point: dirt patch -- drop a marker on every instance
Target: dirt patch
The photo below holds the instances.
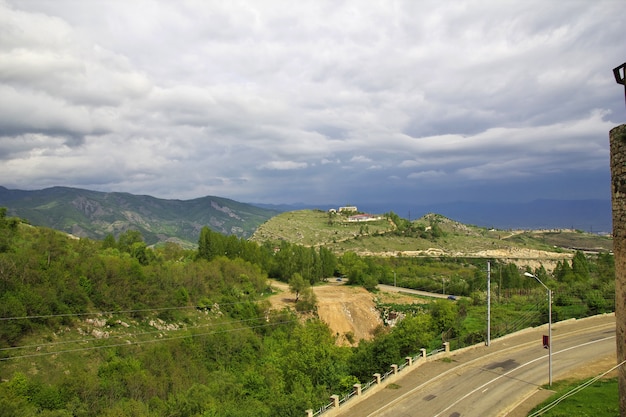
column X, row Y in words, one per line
column 520, row 256
column 350, row 312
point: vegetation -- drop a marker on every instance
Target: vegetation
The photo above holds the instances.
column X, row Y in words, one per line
column 316, row 227
column 393, row 234
column 93, row 214
column 116, row 327
column 599, row 398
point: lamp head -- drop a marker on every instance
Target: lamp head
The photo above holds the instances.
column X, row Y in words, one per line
column 620, row 76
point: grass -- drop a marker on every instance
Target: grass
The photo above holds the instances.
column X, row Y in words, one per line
column 565, row 239
column 317, row 228
column 598, row 399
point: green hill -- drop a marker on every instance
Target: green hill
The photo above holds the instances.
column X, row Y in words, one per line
column 390, row 234
column 94, row 214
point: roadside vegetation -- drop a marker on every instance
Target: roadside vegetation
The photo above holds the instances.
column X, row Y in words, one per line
column 115, row 327
column 580, row 399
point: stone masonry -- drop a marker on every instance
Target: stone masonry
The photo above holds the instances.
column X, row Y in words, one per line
column 618, row 199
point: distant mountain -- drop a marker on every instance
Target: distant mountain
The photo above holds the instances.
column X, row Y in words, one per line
column 592, row 216
column 94, row 214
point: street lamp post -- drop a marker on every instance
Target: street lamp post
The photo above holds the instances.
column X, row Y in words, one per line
column 528, row 274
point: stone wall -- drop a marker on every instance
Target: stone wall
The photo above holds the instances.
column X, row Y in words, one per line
column 618, row 199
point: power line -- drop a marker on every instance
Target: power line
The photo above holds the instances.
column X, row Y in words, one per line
column 128, row 343
column 575, row 390
column 120, row 336
column 102, row 313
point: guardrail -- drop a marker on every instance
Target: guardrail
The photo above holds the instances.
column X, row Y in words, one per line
column 360, row 389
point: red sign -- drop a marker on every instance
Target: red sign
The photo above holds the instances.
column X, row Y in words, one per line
column 546, row 341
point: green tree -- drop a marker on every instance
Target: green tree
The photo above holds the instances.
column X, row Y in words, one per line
column 210, row 244
column 510, row 276
column 580, row 266
column 444, row 314
column 127, row 239
column 8, row 229
column 297, row 285
column 563, row 272
column 328, row 262
column 109, row 242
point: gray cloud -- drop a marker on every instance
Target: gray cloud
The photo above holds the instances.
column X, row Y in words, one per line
column 315, row 102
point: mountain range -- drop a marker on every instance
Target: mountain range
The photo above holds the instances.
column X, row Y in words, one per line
column 95, row 214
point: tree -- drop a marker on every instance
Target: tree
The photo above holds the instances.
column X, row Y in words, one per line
column 109, row 242
column 328, row 262
column 297, row 284
column 127, row 239
column 580, row 266
column 210, row 244
column 8, row 228
column 444, row 314
column 307, row 300
column 563, row 272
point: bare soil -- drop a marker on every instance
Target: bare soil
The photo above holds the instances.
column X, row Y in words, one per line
column 350, row 312
column 520, row 256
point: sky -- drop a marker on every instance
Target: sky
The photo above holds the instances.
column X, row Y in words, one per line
column 316, row 102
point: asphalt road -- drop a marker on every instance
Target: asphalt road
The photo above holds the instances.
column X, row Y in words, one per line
column 491, row 380
column 391, row 288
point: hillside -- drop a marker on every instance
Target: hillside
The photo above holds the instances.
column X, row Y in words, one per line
column 593, row 216
column 381, row 238
column 316, row 228
column 94, row 214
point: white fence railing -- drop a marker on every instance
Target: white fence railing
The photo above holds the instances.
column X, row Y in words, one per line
column 378, row 379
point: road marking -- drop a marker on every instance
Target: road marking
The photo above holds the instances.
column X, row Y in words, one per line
column 455, row 369
column 515, row 369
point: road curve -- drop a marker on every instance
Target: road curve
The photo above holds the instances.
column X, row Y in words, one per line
column 490, row 380
column 391, row 288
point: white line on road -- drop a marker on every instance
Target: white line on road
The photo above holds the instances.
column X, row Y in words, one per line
column 410, row 392
column 518, row 368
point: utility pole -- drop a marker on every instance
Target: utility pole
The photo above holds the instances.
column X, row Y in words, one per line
column 488, row 303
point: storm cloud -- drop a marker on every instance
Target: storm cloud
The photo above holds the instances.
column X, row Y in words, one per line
column 348, row 102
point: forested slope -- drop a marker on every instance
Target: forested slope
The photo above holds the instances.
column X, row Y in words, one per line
column 107, row 328
column 94, row 214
